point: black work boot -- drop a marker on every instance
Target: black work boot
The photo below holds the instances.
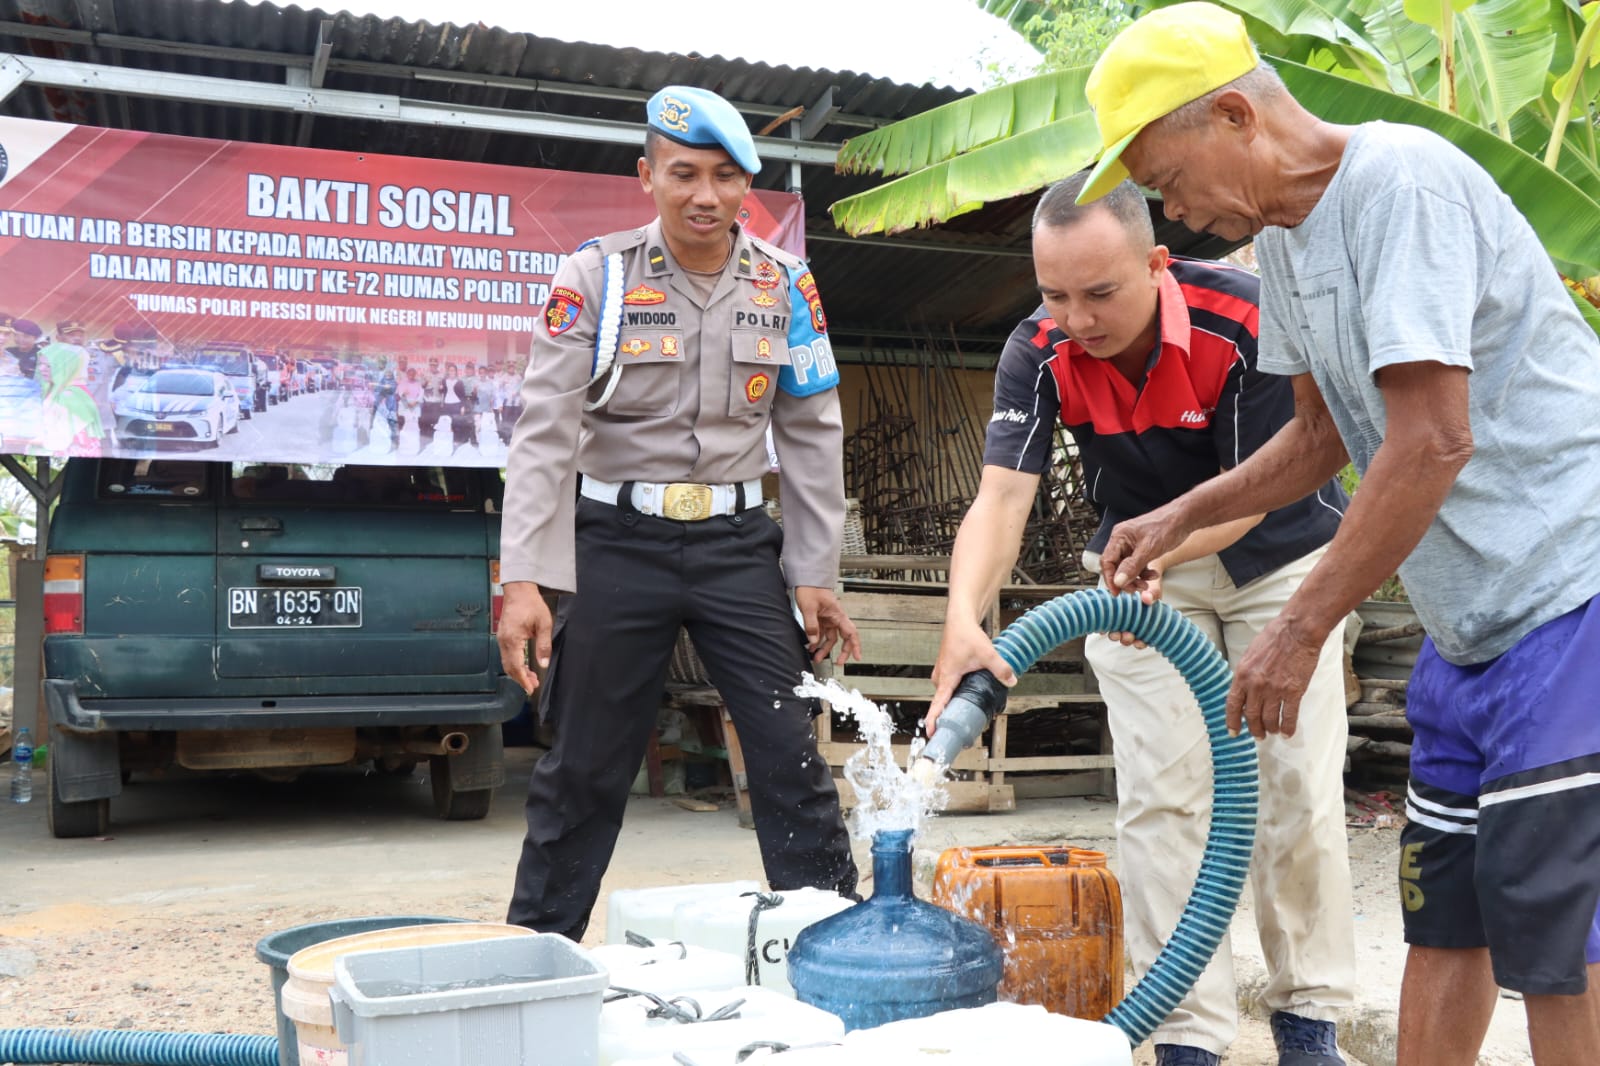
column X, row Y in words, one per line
column 1305, row 1042
column 1179, row 1055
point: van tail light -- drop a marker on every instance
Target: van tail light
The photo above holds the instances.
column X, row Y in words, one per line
column 497, row 595
column 63, row 594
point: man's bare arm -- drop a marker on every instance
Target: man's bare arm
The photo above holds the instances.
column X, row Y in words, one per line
column 1298, row 459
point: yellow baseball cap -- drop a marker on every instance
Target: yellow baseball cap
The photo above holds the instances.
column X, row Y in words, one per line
column 1164, row 60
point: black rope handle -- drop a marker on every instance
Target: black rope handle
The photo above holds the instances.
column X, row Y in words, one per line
column 765, row 901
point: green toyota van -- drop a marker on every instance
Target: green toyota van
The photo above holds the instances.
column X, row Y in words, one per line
column 272, row 617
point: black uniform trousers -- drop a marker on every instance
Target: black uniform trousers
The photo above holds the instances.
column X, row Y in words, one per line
column 640, row 579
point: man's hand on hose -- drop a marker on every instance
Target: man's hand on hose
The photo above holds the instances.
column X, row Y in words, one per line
column 964, row 648
column 827, row 624
column 1134, row 545
column 1149, row 587
column 524, row 617
column 1272, row 676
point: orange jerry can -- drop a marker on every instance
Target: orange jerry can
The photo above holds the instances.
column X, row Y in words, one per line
column 1056, row 914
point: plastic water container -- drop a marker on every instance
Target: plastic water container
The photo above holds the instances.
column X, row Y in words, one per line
column 894, row 956
column 512, row 1001
column 725, row 925
column 275, row 949
column 628, row 1033
column 999, row 1032
column 648, row 912
column 1056, row 914
column 981, row 1036
column 669, row 970
column 311, row 976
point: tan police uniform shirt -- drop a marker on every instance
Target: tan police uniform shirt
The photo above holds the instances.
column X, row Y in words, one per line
column 698, row 388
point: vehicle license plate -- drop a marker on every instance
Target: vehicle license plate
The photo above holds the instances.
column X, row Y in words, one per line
column 161, row 427
column 288, row 608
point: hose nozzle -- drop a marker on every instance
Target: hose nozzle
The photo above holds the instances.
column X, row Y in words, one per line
column 977, row 699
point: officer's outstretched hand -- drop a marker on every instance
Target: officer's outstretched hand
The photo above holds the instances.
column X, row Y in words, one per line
column 524, row 616
column 826, row 625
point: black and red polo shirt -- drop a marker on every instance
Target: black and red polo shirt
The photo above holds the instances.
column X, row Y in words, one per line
column 1203, row 408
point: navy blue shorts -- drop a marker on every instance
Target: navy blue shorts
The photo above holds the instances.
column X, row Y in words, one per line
column 1502, row 845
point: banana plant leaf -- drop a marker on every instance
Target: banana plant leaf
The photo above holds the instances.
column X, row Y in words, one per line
column 1530, row 130
column 1015, row 12
column 1565, row 218
column 1014, row 166
column 1590, row 313
column 966, row 124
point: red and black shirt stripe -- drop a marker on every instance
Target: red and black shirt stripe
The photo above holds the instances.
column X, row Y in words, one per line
column 1202, row 408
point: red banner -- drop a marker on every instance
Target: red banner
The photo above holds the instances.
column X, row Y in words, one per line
column 244, row 301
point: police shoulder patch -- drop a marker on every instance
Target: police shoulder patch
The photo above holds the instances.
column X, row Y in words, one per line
column 562, row 310
column 811, row 368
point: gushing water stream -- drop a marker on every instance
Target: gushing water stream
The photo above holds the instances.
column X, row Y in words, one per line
column 887, row 796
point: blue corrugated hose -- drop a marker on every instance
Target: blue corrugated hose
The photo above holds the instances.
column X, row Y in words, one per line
column 1234, row 780
column 133, row 1047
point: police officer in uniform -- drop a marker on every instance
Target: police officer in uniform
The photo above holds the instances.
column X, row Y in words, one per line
column 634, row 487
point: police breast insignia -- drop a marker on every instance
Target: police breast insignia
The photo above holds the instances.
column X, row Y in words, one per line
column 766, row 276
column 674, row 114
column 634, row 346
column 763, row 349
column 808, row 288
column 669, row 347
column 644, row 294
column 561, row 313
column 764, row 299
column 756, row 387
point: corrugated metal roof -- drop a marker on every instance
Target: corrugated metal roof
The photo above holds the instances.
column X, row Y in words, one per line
column 867, row 286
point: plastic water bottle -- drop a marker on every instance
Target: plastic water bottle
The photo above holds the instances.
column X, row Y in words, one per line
column 22, row 767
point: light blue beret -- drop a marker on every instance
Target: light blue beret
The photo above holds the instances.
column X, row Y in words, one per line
column 699, row 118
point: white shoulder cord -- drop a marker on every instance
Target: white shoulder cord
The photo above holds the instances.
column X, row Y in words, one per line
column 609, row 333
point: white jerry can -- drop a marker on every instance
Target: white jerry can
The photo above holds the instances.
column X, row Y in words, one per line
column 647, row 912
column 725, row 925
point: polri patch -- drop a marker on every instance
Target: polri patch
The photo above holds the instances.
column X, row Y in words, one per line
column 669, row 347
column 634, row 346
column 644, row 294
column 808, row 288
column 756, row 387
column 562, row 312
column 763, row 348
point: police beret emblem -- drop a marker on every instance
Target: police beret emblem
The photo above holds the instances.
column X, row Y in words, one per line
column 674, row 114
column 756, row 387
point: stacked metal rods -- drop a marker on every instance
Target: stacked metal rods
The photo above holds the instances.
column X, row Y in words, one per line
column 915, row 458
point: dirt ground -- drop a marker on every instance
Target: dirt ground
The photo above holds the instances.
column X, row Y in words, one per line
column 155, row 926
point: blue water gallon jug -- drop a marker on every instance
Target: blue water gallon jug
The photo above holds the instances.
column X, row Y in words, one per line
column 893, row 956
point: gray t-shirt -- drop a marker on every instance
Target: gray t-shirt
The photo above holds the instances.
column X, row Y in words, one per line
column 1413, row 254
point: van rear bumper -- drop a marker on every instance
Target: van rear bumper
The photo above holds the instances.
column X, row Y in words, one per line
column 280, row 712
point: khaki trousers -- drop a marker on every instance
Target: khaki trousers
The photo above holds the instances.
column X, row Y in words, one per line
column 1300, row 870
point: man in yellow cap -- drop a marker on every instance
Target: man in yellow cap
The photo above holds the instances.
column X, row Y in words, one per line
column 633, row 487
column 1432, row 342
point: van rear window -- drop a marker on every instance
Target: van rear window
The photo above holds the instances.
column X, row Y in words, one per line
column 121, row 478
column 447, row 488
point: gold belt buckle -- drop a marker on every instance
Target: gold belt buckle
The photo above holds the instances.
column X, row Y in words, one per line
column 686, row 503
